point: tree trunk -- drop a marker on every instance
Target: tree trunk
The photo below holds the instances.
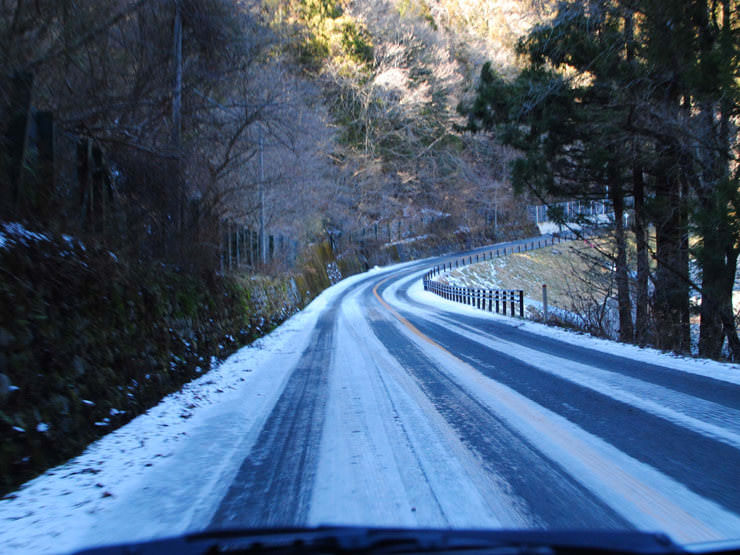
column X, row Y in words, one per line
column 177, row 85
column 727, row 41
column 626, row 329
column 716, row 297
column 642, row 322
column 671, row 291
column 640, row 227
column 711, row 259
column 728, row 322
column 178, row 206
column 685, row 288
column 717, row 255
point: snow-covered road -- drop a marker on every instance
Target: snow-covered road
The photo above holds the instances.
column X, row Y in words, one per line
column 381, row 404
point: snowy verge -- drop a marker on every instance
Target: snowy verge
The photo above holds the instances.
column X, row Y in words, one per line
column 708, row 368
column 165, row 471
column 648, row 498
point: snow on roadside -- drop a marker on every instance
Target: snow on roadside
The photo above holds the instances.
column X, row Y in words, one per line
column 407, row 240
column 648, row 498
column 164, row 472
column 702, row 367
column 14, row 232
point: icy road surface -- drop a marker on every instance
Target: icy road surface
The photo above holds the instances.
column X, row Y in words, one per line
column 381, row 404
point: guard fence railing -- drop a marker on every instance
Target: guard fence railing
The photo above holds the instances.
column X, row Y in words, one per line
column 502, row 301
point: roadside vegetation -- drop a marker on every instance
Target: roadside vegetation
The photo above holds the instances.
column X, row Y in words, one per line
column 636, row 104
column 89, row 341
column 553, row 266
column 580, row 283
column 136, row 136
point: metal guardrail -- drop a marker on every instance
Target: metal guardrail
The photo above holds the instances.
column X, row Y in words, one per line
column 486, row 299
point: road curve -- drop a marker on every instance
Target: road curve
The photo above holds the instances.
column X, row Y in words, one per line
column 403, row 410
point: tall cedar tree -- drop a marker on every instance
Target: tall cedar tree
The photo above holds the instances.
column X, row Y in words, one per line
column 647, row 110
column 571, row 134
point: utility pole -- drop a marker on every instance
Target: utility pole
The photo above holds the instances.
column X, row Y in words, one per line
column 263, row 236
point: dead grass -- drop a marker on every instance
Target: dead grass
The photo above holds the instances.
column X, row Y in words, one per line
column 558, row 267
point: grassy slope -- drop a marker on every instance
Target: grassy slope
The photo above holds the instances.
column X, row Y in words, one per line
column 573, row 283
column 557, row 267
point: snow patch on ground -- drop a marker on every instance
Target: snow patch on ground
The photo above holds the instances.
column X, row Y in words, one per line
column 703, row 367
column 14, row 232
column 164, row 472
column 407, row 240
column 648, row 498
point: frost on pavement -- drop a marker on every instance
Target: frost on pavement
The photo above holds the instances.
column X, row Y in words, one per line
column 411, row 433
column 165, row 469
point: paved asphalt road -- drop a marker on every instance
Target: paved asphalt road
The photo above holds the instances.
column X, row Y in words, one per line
column 403, row 411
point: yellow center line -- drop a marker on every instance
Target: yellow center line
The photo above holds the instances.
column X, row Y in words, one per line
column 684, row 526
column 405, row 322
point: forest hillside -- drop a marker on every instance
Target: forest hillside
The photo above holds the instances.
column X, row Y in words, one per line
column 177, row 177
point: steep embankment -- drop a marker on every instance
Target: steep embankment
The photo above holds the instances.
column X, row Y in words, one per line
column 88, row 341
